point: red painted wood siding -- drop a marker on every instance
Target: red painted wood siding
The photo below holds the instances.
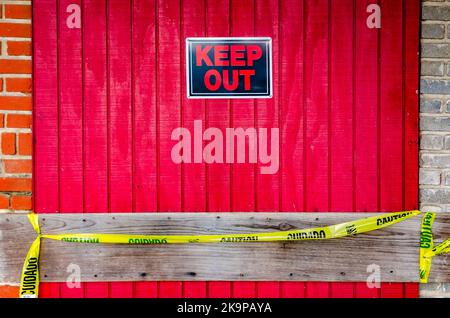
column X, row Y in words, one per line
column 107, row 97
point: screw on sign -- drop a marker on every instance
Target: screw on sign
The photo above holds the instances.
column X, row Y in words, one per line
column 229, row 67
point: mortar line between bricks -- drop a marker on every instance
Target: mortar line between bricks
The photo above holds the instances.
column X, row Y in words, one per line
column 15, row 94
column 434, row 152
column 437, row 22
column 18, row 2
column 440, row 133
column 440, row 115
column 431, row 5
column 18, row 112
column 446, row 188
column 435, row 59
column 16, row 57
column 17, row 175
column 15, row 21
column 12, row 75
column 435, row 40
column 16, row 130
column 443, row 41
column 433, row 96
column 14, row 157
column 430, row 151
column 14, row 39
column 435, row 77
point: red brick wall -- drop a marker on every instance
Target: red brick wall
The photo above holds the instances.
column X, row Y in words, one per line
column 15, row 106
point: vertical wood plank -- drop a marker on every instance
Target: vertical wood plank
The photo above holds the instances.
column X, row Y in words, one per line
column 45, row 96
column 267, row 110
column 391, row 111
column 95, row 138
column 119, row 118
column 46, row 112
column 193, row 175
column 267, row 189
column 366, row 112
column 366, row 123
column 411, row 100
column 169, row 55
column 193, row 182
column 144, row 119
column 292, row 118
column 119, row 105
column 71, row 113
column 169, row 116
column 242, row 115
column 70, row 122
column 411, row 31
column 341, row 117
column 217, row 114
column 317, row 123
column 49, row 290
column 411, row 290
column 218, row 111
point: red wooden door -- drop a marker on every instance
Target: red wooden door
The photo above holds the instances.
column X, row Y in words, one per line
column 108, row 95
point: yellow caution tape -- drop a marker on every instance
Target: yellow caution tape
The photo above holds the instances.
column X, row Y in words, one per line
column 34, row 220
column 30, row 273
column 427, row 248
column 442, row 248
column 29, row 283
column 319, row 233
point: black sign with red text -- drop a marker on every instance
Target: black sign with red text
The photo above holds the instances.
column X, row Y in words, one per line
column 229, row 67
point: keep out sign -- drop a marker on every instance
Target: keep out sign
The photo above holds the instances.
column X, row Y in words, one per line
column 229, row 67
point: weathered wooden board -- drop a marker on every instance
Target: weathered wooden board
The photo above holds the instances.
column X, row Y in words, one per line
column 394, row 249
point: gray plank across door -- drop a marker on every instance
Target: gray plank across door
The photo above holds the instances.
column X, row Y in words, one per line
column 394, row 250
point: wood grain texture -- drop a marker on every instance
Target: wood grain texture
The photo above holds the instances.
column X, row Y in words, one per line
column 292, row 115
column 365, row 130
column 344, row 99
column 218, row 114
column 242, row 23
column 411, row 36
column 193, row 176
column 317, row 109
column 341, row 121
column 267, row 116
column 46, row 116
column 144, row 112
column 70, row 70
column 394, row 249
column 95, row 108
column 391, row 127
